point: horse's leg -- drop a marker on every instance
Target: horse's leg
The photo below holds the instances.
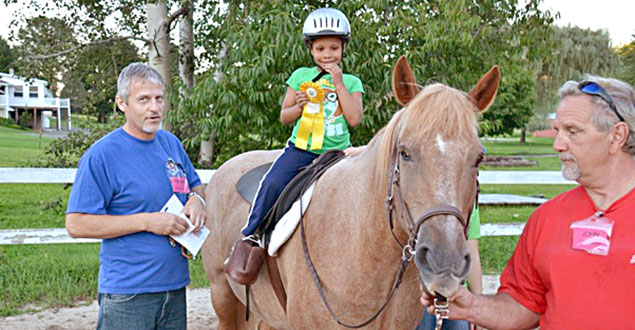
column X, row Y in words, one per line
column 226, row 305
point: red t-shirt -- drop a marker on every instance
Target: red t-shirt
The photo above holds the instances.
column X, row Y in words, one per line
column 573, row 289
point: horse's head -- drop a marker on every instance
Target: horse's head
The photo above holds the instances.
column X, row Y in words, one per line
column 433, row 153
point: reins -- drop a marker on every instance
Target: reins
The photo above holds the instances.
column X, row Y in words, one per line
column 407, row 250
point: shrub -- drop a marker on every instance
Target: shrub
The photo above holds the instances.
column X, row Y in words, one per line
column 25, row 120
column 66, row 152
column 8, row 122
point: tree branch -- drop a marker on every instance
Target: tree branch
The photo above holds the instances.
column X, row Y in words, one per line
column 78, row 47
column 175, row 15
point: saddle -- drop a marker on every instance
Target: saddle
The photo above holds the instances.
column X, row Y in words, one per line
column 247, row 257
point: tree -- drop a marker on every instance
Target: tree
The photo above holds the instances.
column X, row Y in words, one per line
column 255, row 46
column 44, row 35
column 91, row 81
column 626, row 54
column 577, row 52
column 6, row 56
column 86, row 22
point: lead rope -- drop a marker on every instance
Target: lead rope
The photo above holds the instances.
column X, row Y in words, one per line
column 441, row 311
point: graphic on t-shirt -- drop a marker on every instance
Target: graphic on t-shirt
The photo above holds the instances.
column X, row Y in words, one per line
column 332, row 109
column 178, row 178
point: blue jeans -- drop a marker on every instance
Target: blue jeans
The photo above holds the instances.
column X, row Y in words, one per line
column 282, row 171
column 144, row 311
column 428, row 322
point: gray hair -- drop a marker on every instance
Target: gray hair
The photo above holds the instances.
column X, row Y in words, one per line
column 136, row 72
column 602, row 117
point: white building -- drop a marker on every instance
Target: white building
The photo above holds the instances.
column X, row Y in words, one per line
column 20, row 96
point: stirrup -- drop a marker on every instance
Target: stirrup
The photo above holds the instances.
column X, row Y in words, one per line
column 254, row 239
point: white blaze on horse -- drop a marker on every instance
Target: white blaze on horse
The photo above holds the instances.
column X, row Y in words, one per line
column 424, row 161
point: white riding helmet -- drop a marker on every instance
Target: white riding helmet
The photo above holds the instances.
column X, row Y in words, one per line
column 326, row 22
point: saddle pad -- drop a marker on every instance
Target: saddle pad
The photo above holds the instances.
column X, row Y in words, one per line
column 287, row 224
column 248, row 184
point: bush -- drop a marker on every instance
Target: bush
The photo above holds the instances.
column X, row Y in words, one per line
column 25, row 120
column 8, row 122
column 66, row 152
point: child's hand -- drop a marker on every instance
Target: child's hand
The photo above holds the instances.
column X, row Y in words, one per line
column 335, row 72
column 301, row 99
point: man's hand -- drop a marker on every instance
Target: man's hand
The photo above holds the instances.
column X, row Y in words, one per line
column 195, row 211
column 460, row 303
column 163, row 223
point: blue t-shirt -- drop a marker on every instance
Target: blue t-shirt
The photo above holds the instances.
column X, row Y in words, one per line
column 122, row 175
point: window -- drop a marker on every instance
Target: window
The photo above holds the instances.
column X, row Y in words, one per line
column 33, row 92
column 18, row 91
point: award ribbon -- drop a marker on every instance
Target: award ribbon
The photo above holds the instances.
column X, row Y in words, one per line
column 312, row 121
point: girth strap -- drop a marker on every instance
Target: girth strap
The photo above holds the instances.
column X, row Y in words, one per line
column 276, row 281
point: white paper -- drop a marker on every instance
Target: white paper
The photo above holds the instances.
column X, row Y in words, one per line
column 312, row 107
column 190, row 240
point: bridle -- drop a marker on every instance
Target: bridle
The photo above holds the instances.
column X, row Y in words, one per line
column 407, row 250
column 394, row 192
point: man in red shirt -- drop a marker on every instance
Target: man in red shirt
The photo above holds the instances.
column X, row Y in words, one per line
column 574, row 265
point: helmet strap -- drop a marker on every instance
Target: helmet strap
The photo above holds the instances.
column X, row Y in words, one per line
column 320, row 75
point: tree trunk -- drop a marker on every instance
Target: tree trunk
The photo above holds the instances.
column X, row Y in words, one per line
column 523, row 134
column 186, row 36
column 159, row 54
column 206, row 152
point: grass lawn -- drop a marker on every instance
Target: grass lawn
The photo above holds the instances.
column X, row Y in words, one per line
column 511, row 146
column 55, row 275
column 18, row 147
column 32, row 205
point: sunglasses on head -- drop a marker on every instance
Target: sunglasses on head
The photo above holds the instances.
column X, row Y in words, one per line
column 592, row 88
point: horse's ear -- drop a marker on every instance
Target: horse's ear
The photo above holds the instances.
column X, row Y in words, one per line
column 484, row 93
column 404, row 84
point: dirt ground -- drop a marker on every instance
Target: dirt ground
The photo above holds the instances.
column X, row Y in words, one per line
column 200, row 316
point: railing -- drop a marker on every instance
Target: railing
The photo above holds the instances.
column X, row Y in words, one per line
column 67, row 175
column 37, row 102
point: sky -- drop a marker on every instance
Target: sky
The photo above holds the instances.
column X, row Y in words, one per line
column 616, row 16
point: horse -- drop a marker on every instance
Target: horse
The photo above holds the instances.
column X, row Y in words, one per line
column 407, row 194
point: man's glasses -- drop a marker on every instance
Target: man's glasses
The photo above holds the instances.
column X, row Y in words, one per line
column 592, row 88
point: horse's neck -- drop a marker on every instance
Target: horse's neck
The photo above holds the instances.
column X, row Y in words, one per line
column 362, row 194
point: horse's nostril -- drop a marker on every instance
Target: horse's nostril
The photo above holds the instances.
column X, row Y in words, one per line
column 421, row 258
column 466, row 266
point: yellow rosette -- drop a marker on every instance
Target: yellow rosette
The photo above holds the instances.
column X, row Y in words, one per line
column 312, row 121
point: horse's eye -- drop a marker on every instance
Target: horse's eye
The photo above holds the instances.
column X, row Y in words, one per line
column 404, row 155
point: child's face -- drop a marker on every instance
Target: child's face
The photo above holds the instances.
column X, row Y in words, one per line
column 327, row 50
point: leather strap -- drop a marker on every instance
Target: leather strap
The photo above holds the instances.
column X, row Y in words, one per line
column 276, row 281
column 318, row 284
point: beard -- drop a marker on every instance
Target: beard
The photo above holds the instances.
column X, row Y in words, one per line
column 152, row 128
column 570, row 168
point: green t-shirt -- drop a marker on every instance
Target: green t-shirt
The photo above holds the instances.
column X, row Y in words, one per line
column 474, row 228
column 336, row 135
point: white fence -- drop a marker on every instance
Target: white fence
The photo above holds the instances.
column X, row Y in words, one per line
column 67, row 175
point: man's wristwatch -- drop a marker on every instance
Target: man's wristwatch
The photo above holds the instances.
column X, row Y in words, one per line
column 193, row 193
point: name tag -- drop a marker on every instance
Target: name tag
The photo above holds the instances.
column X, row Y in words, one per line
column 179, row 185
column 592, row 235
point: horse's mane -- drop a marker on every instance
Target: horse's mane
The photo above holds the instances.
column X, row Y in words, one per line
column 437, row 110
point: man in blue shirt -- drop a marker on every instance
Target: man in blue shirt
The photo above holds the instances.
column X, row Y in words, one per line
column 122, row 182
